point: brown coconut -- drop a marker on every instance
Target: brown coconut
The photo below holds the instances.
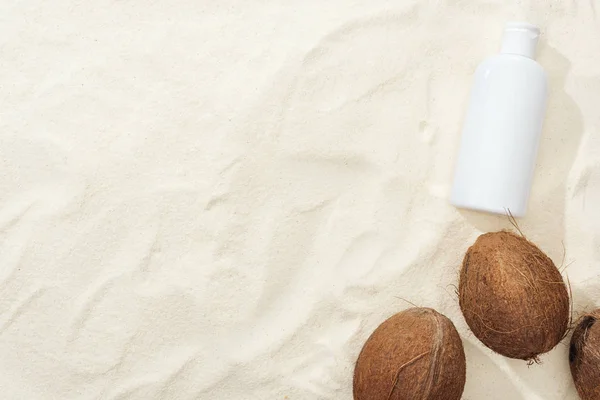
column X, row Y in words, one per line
column 512, row 296
column 584, row 356
column 414, row 355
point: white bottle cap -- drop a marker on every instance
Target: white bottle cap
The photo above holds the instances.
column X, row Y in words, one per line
column 520, row 38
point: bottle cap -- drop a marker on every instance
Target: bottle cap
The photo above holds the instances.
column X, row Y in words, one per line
column 520, row 38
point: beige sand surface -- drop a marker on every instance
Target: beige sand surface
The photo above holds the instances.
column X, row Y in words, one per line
column 220, row 200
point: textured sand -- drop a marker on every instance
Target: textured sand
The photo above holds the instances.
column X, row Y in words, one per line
column 220, row 200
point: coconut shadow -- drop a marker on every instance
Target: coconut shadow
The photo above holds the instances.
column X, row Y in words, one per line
column 485, row 379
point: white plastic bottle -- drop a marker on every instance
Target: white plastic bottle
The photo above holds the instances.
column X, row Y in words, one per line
column 502, row 128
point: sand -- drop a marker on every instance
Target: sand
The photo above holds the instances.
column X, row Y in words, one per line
column 221, row 200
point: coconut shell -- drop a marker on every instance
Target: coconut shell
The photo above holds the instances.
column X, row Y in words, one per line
column 414, row 355
column 512, row 296
column 584, row 356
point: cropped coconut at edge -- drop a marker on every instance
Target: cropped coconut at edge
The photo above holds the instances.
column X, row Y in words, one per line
column 415, row 354
column 584, row 356
column 513, row 297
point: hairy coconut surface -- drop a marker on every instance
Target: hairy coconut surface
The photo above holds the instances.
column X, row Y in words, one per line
column 584, row 356
column 512, row 296
column 415, row 355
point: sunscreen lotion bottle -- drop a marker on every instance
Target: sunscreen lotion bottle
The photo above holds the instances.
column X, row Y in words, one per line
column 502, row 127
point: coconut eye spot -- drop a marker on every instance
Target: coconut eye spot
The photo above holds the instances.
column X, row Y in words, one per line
column 572, row 353
column 588, row 322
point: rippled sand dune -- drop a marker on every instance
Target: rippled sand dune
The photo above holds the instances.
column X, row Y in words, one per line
column 220, row 200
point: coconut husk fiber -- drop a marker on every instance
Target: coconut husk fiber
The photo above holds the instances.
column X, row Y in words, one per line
column 584, row 356
column 512, row 296
column 415, row 355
